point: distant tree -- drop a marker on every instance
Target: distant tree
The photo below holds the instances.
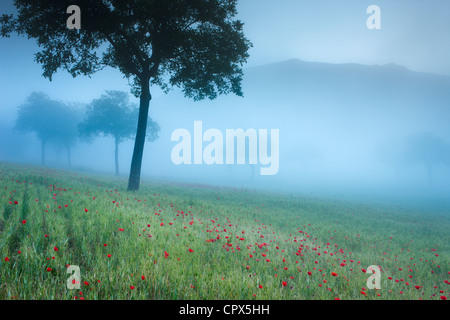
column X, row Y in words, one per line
column 196, row 45
column 427, row 149
column 52, row 121
column 112, row 115
column 67, row 131
column 392, row 152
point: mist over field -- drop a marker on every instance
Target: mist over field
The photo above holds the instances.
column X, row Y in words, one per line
column 366, row 118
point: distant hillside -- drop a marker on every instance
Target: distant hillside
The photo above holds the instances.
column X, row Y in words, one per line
column 342, row 83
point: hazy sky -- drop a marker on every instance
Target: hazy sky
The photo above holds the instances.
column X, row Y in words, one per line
column 414, row 34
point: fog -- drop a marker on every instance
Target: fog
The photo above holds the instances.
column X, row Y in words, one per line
column 361, row 114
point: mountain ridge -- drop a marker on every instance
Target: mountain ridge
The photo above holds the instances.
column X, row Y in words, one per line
column 295, row 62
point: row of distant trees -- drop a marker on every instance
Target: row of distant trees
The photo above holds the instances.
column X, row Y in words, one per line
column 61, row 124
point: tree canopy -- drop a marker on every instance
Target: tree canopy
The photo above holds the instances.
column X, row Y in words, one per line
column 196, row 45
column 52, row 121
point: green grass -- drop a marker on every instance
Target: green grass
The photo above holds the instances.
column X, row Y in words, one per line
column 229, row 232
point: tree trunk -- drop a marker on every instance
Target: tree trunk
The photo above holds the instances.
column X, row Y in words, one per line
column 69, row 160
column 136, row 161
column 116, row 155
column 43, row 152
column 430, row 175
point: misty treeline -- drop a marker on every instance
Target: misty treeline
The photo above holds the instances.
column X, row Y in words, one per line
column 62, row 124
column 423, row 149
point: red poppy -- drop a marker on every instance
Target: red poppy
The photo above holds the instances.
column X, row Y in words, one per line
column 56, row 249
column 190, row 250
column 334, row 274
column 6, row 259
column 284, row 283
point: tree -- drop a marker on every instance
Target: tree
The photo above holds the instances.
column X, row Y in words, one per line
column 429, row 150
column 112, row 115
column 196, row 45
column 51, row 120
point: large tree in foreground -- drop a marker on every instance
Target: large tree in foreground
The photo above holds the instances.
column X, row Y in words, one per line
column 52, row 121
column 196, row 45
column 112, row 115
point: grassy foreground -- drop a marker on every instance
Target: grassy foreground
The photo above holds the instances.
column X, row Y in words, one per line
column 191, row 242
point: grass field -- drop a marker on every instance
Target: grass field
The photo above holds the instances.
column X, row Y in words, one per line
column 172, row 241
